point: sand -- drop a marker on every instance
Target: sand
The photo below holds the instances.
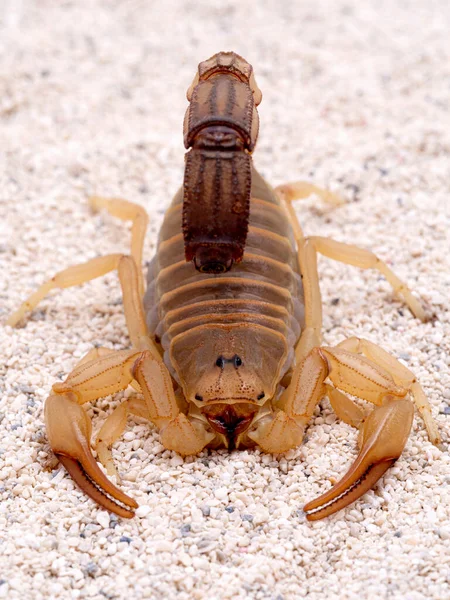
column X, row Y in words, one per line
column 92, row 97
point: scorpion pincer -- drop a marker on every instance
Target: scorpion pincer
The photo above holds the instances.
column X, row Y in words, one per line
column 226, row 340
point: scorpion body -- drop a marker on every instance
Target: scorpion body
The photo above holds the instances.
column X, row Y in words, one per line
column 256, row 307
column 226, row 342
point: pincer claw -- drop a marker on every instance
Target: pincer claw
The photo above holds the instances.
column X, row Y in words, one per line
column 69, row 432
column 383, row 437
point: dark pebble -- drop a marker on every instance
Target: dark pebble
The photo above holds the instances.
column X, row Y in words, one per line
column 26, row 389
column 90, row 569
column 113, row 521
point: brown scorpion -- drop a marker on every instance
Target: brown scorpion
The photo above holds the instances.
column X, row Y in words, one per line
column 226, row 340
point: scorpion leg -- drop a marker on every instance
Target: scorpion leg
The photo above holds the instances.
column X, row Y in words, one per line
column 345, row 409
column 365, row 259
column 96, row 267
column 75, row 275
column 307, row 258
column 127, row 211
column 300, row 190
column 307, row 261
column 113, row 428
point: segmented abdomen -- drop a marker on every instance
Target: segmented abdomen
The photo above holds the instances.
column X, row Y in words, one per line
column 264, row 288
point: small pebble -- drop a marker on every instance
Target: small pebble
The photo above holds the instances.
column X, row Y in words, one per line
column 126, row 539
column 103, row 519
column 143, row 510
column 221, row 493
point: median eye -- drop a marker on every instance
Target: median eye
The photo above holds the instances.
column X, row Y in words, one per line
column 237, row 361
column 220, row 362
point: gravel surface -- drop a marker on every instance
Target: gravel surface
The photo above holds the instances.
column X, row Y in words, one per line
column 92, row 97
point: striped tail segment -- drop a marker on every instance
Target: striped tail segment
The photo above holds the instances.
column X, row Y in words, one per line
column 220, row 130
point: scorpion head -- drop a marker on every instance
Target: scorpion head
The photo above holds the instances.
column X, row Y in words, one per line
column 229, row 372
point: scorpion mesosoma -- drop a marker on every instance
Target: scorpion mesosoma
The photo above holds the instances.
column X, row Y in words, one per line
column 226, row 341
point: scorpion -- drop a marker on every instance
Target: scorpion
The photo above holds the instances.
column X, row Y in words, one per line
column 226, row 344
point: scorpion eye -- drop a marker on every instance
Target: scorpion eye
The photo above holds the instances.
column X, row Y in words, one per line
column 260, row 396
column 220, row 362
column 237, row 361
column 198, row 397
